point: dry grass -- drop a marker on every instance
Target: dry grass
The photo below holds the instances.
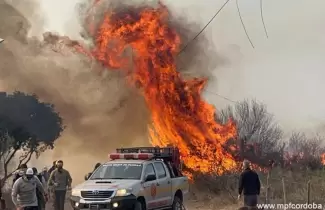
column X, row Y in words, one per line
column 221, row 192
column 211, row 193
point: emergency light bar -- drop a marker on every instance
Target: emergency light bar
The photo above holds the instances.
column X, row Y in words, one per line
column 128, row 156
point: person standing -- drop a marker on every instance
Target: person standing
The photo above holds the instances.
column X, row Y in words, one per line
column 250, row 185
column 45, row 174
column 50, row 188
column 24, row 191
column 61, row 180
column 19, row 173
column 53, row 167
column 40, row 197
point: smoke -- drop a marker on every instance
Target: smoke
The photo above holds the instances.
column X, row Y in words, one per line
column 100, row 111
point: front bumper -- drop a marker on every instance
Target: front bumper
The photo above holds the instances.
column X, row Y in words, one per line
column 114, row 203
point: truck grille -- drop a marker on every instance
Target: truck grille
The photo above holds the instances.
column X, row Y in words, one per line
column 96, row 206
column 96, row 194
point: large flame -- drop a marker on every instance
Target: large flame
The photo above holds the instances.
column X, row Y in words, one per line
column 179, row 114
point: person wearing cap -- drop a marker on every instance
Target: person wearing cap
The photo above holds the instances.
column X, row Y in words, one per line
column 250, row 185
column 24, row 191
column 61, row 181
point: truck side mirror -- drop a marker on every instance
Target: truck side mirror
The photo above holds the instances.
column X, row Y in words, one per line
column 150, row 177
column 87, row 176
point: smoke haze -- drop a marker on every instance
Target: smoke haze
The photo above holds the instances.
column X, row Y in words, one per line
column 101, row 112
column 284, row 71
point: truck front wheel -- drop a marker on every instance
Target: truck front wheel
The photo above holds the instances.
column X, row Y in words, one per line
column 177, row 204
column 138, row 206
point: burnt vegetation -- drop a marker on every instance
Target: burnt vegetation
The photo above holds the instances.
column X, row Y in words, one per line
column 290, row 167
column 260, row 139
column 27, row 127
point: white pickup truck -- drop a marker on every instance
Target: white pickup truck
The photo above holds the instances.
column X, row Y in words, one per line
column 133, row 181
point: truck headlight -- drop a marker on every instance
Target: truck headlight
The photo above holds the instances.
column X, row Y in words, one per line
column 124, row 192
column 76, row 192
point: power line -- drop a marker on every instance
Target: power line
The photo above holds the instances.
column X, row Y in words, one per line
column 206, row 25
column 262, row 17
column 230, row 100
column 242, row 23
column 221, row 96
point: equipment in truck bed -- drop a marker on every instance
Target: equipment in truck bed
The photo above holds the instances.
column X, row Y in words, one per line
column 170, row 155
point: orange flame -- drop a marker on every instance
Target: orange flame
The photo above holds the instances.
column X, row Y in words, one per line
column 323, row 158
column 179, row 114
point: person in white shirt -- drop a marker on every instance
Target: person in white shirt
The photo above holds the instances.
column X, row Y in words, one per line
column 24, row 194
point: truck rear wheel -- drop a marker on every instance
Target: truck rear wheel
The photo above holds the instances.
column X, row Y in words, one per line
column 177, row 204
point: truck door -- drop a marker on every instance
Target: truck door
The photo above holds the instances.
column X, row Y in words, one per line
column 164, row 188
column 150, row 187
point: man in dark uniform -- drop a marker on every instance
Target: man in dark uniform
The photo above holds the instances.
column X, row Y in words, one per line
column 250, row 185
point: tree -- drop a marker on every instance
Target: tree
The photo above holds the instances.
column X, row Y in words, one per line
column 304, row 152
column 27, row 127
column 259, row 136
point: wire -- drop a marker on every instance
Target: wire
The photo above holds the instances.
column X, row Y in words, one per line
column 262, row 17
column 206, row 25
column 242, row 23
column 230, row 100
column 221, row 96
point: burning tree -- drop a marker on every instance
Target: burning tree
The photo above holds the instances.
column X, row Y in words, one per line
column 305, row 152
column 259, row 137
column 27, row 127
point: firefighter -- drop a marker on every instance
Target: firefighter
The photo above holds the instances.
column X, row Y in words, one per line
column 61, row 180
column 249, row 184
column 24, row 191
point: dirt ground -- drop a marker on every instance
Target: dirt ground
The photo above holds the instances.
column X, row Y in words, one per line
column 189, row 205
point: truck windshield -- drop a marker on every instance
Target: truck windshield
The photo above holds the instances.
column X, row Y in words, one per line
column 118, row 171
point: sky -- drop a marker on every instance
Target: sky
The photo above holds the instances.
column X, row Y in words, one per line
column 284, row 71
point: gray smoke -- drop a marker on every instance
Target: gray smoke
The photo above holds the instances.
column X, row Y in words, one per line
column 100, row 111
